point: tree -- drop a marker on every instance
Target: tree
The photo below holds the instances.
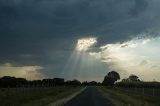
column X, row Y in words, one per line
column 73, row 82
column 125, row 80
column 8, row 81
column 53, row 82
column 111, row 78
column 133, row 78
column 58, row 81
column 92, row 83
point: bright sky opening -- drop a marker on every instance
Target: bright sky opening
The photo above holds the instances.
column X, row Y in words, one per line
column 85, row 43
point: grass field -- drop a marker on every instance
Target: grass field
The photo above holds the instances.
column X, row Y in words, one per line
column 122, row 98
column 34, row 96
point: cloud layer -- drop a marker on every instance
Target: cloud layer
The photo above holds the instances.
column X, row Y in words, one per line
column 45, row 32
column 138, row 56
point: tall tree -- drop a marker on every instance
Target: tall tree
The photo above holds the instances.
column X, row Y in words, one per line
column 111, row 78
column 133, row 78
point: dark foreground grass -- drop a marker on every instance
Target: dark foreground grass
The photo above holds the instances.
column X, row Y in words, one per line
column 34, row 96
column 121, row 98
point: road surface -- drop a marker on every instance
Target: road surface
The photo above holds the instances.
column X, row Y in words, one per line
column 89, row 97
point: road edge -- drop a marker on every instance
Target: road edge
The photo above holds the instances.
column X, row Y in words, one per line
column 63, row 101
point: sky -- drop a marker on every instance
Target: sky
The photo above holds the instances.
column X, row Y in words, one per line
column 80, row 39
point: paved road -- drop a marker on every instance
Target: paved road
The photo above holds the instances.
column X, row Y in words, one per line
column 89, row 97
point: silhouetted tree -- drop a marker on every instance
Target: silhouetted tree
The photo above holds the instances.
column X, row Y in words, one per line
column 58, row 81
column 133, row 81
column 8, row 81
column 111, row 78
column 133, row 78
column 85, row 83
column 53, row 82
column 74, row 82
column 92, row 83
column 125, row 80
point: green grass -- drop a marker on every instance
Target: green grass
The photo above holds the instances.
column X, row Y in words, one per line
column 34, row 96
column 122, row 98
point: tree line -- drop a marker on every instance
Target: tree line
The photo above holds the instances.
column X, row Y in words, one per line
column 109, row 80
column 11, row 82
column 132, row 81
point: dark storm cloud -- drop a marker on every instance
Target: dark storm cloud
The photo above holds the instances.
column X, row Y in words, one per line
column 67, row 18
column 139, row 6
column 41, row 27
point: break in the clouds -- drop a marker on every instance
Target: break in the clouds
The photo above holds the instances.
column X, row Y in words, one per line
column 137, row 56
column 85, row 43
column 44, row 33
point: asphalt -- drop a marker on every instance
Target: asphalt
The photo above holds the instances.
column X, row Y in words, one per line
column 89, row 97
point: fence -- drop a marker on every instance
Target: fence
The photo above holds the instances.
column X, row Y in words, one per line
column 143, row 91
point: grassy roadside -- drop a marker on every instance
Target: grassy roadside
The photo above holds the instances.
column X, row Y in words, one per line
column 35, row 97
column 121, row 98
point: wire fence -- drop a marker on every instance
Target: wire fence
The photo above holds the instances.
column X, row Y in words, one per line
column 143, row 91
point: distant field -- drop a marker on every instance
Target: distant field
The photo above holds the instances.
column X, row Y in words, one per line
column 123, row 97
column 34, row 96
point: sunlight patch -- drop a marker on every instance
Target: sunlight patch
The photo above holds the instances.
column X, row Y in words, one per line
column 85, row 43
column 28, row 72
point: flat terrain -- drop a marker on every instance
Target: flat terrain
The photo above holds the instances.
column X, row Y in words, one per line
column 34, row 96
column 89, row 97
column 121, row 97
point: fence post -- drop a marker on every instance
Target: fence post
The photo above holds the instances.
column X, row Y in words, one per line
column 135, row 89
column 143, row 91
column 153, row 92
